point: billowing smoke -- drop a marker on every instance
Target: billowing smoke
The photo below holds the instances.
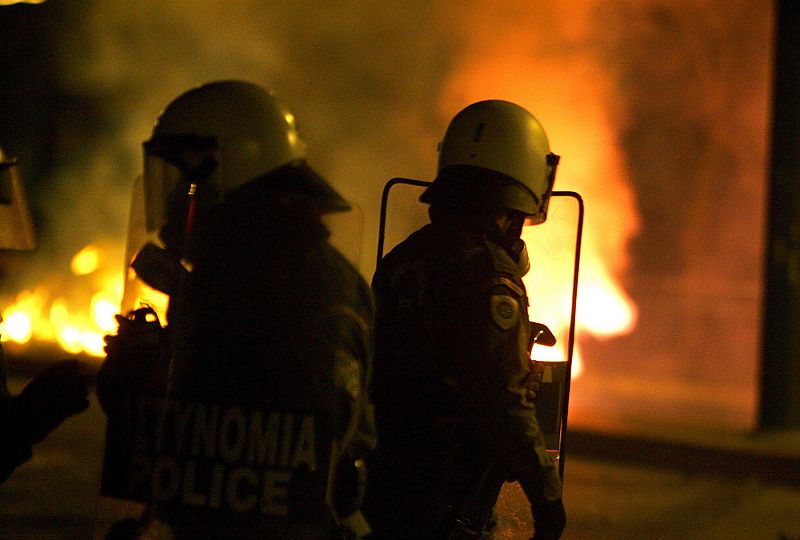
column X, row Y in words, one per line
column 360, row 77
column 693, row 83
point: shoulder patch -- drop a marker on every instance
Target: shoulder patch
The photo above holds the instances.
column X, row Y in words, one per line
column 505, row 310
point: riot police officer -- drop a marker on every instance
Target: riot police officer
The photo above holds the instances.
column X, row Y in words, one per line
column 60, row 390
column 264, row 361
column 452, row 366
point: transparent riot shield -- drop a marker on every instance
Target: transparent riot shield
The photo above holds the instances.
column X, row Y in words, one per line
column 136, row 291
column 552, row 285
column 16, row 225
column 116, row 509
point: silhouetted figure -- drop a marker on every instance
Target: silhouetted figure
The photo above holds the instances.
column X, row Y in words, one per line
column 267, row 350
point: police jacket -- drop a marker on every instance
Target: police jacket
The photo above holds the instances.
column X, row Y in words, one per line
column 271, row 341
column 451, row 349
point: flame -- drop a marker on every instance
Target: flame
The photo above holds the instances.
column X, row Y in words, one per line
column 86, row 261
column 76, row 324
column 20, row 318
column 564, row 87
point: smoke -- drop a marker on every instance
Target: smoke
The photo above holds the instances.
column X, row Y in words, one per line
column 359, row 77
column 694, row 87
column 373, row 87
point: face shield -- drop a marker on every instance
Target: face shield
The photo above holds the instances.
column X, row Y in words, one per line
column 178, row 187
column 162, row 215
column 16, row 225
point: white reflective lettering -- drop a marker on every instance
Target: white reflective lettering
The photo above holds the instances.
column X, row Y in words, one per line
column 190, row 496
column 262, row 441
column 305, row 450
column 205, row 431
column 215, row 491
column 181, row 416
column 232, row 434
column 286, row 441
column 273, row 500
column 235, row 491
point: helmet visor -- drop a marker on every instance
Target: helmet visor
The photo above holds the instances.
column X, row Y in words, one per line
column 167, row 161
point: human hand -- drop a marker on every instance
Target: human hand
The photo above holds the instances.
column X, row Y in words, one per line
column 534, row 380
column 138, row 332
column 57, row 393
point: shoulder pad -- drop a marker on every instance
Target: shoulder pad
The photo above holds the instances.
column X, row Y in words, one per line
column 500, row 281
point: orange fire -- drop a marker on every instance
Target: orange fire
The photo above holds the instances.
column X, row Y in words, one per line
column 43, row 314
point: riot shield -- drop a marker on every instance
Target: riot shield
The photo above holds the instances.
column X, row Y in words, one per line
column 16, row 225
column 121, row 508
column 552, row 284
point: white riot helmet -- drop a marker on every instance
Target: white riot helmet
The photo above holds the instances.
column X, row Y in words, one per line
column 242, row 131
column 496, row 153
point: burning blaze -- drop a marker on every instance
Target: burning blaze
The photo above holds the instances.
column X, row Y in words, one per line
column 543, row 62
column 75, row 322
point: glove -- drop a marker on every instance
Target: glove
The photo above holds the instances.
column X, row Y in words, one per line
column 53, row 396
column 549, row 520
column 138, row 336
column 533, row 380
column 134, row 359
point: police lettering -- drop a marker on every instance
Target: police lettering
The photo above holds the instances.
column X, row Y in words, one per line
column 216, row 456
